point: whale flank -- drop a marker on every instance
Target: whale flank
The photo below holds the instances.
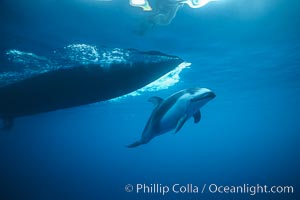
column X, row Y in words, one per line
column 74, row 78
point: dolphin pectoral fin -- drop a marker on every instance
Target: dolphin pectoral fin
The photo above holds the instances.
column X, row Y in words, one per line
column 180, row 123
column 135, row 144
column 155, row 100
column 197, row 116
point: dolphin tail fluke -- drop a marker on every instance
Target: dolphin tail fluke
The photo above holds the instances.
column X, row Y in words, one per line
column 135, row 144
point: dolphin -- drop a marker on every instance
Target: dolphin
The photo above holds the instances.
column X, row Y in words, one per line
column 173, row 112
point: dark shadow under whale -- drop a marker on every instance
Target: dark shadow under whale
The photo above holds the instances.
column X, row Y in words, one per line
column 81, row 84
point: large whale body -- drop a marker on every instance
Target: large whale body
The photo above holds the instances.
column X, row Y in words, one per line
column 70, row 79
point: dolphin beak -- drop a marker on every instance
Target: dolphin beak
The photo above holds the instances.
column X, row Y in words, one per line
column 212, row 95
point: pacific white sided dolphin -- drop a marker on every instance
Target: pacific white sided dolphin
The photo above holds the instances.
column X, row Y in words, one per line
column 173, row 112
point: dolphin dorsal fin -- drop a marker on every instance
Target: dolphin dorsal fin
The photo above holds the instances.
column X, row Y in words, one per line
column 197, row 116
column 155, row 100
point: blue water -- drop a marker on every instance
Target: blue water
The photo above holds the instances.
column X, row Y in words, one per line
column 247, row 52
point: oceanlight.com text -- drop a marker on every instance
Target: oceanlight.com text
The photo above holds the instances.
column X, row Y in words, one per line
column 250, row 189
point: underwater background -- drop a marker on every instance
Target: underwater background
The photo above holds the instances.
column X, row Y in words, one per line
column 247, row 52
